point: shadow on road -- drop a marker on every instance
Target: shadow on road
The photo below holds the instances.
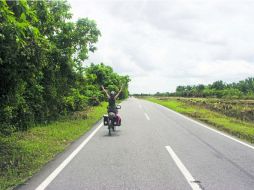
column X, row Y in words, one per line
column 115, row 133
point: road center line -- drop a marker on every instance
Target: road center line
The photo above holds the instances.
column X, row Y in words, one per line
column 53, row 175
column 183, row 169
column 147, row 117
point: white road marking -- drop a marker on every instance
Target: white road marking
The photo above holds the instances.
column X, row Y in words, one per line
column 147, row 117
column 183, row 169
column 53, row 175
column 207, row 127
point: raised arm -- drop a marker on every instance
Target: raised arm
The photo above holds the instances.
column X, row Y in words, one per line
column 105, row 91
column 119, row 92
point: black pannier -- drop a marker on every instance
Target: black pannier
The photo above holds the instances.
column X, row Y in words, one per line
column 105, row 119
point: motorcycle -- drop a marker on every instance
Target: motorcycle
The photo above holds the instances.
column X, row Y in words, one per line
column 110, row 120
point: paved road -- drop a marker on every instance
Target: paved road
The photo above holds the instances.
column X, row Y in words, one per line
column 154, row 148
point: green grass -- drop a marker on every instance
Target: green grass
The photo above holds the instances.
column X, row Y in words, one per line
column 24, row 153
column 231, row 125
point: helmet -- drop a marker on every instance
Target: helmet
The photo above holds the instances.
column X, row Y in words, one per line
column 112, row 93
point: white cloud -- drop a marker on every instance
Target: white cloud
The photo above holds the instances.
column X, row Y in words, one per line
column 162, row 44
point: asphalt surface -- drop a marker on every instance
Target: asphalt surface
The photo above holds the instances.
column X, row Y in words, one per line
column 135, row 156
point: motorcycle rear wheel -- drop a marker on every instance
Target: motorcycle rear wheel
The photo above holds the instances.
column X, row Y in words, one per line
column 109, row 131
column 109, row 127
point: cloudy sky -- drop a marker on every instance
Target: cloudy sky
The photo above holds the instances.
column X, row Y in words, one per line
column 163, row 44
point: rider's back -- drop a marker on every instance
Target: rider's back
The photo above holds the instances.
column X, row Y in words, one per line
column 112, row 104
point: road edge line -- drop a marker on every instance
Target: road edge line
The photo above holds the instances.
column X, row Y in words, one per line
column 54, row 174
column 207, row 127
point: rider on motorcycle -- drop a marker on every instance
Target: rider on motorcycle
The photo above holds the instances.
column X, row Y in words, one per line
column 112, row 102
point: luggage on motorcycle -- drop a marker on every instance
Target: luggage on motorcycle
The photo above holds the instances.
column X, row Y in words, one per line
column 113, row 117
column 119, row 122
column 105, row 119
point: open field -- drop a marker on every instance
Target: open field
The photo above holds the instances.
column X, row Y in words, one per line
column 240, row 109
column 24, row 153
column 232, row 116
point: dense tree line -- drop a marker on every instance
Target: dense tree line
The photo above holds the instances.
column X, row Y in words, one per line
column 141, row 94
column 41, row 72
column 218, row 89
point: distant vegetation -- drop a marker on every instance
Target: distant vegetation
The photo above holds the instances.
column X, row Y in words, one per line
column 41, row 72
column 243, row 89
column 219, row 89
column 240, row 109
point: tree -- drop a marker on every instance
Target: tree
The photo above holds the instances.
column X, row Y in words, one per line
column 218, row 85
column 41, row 55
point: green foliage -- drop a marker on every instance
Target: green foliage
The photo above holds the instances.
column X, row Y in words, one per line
column 218, row 89
column 41, row 55
column 104, row 75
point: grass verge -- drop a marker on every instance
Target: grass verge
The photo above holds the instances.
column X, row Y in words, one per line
column 23, row 153
column 231, row 125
